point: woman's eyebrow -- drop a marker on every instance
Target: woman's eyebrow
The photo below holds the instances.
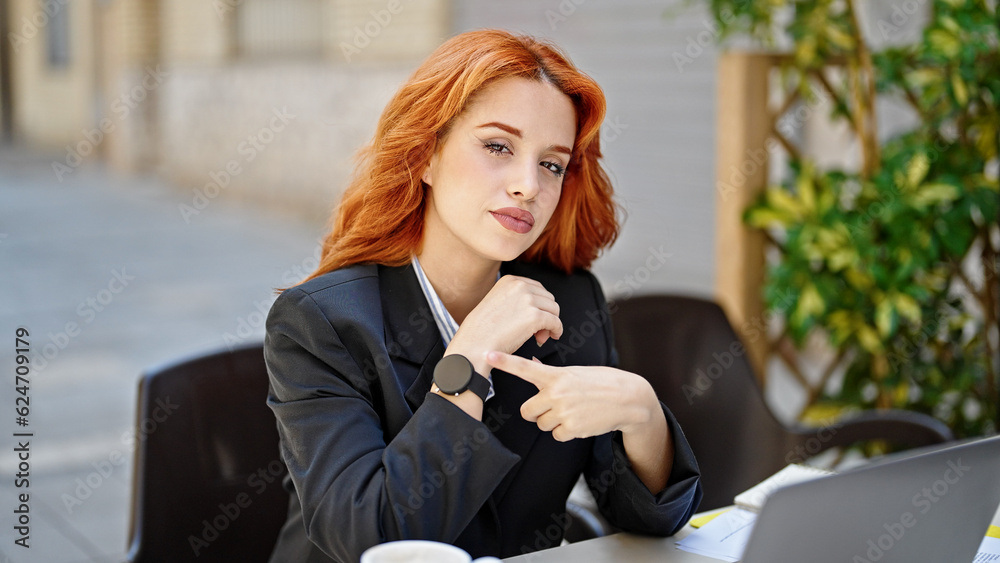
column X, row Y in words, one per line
column 517, row 133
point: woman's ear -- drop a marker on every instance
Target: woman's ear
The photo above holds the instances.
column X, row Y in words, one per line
column 426, row 176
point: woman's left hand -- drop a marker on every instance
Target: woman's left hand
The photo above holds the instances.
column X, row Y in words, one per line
column 581, row 401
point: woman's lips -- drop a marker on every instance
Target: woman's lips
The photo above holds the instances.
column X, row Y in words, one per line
column 514, row 219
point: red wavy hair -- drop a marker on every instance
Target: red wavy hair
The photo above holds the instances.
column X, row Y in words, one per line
column 381, row 216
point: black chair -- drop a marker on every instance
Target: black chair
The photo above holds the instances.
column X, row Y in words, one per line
column 207, row 475
column 694, row 360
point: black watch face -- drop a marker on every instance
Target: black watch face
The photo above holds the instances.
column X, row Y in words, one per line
column 453, row 373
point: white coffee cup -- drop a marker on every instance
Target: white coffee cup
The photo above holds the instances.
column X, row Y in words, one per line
column 419, row 551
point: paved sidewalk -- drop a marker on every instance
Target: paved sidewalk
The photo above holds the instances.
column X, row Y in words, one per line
column 109, row 279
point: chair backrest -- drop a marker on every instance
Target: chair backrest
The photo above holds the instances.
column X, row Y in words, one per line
column 207, row 475
column 697, row 364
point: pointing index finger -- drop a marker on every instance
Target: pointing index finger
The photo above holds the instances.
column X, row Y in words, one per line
column 534, row 372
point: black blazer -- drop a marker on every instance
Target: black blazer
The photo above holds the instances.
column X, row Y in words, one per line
column 374, row 457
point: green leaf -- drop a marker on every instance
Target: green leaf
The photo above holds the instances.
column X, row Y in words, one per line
column 916, row 169
column 806, row 189
column 956, row 236
column 868, row 338
column 950, row 24
column 922, row 78
column 907, row 306
column 764, row 217
column 810, row 304
column 934, row 194
column 885, row 318
column 805, row 52
column 944, row 42
column 859, row 279
column 837, row 36
column 959, row 89
column 842, row 258
column 984, row 138
column 783, row 202
column 841, row 325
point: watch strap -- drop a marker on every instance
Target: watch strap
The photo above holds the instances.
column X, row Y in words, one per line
column 480, row 386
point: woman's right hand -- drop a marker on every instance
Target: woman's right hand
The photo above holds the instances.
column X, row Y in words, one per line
column 515, row 309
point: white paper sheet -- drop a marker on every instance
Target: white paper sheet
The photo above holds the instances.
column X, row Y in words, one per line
column 723, row 538
column 989, row 551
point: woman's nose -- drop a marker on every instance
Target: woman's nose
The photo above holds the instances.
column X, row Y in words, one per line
column 524, row 183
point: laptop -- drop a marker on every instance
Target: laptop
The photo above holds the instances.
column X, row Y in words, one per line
column 929, row 507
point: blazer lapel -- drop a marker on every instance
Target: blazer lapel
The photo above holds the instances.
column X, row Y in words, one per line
column 517, row 434
column 410, row 332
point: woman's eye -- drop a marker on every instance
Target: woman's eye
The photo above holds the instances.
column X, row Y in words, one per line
column 499, row 149
column 554, row 168
column 496, row 148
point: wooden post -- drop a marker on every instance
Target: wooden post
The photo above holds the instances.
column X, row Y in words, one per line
column 743, row 127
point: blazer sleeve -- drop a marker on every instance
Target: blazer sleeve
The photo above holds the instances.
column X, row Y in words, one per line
column 626, row 502
column 621, row 496
column 355, row 489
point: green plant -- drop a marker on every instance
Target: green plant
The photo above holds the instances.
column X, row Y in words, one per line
column 879, row 259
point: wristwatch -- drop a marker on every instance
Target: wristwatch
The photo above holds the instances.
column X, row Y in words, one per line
column 454, row 374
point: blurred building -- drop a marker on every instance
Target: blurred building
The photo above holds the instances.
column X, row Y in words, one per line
column 198, row 89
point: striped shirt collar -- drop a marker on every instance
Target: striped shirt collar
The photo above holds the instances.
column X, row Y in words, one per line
column 442, row 318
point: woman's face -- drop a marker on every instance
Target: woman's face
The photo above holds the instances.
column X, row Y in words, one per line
column 495, row 180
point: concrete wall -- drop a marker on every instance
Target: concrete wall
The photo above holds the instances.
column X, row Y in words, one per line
column 290, row 130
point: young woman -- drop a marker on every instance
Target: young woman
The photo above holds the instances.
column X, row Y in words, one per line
column 447, row 372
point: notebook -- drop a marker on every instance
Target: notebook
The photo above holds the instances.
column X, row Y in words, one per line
column 753, row 499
